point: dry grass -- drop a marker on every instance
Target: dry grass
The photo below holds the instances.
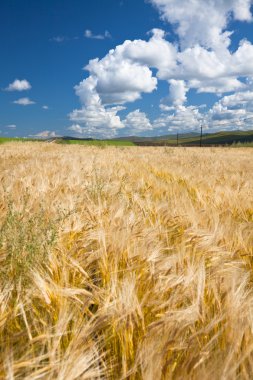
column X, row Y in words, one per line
column 125, row 263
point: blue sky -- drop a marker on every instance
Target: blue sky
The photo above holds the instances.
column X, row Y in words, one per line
column 163, row 66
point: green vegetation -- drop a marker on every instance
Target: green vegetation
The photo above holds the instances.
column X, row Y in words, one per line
column 26, row 239
column 9, row 139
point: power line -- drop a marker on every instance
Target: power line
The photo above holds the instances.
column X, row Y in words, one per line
column 201, row 135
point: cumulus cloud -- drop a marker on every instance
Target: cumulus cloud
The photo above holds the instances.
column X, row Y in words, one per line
column 84, row 131
column 89, row 34
column 155, row 53
column 122, row 76
column 178, row 91
column 218, row 85
column 125, row 72
column 19, row 85
column 93, row 115
column 201, row 61
column 76, row 128
column 183, row 118
column 137, row 121
column 240, row 99
column 134, row 123
column 198, row 62
column 242, row 59
column 232, row 112
column 24, row 102
column 204, row 61
column 119, row 80
column 203, row 22
column 166, row 108
column 208, row 71
column 45, row 134
column 88, row 131
column 97, row 117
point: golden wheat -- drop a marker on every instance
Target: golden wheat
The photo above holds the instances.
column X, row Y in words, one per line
column 125, row 263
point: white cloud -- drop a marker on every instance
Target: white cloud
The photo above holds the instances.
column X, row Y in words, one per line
column 89, row 34
column 19, row 85
column 11, row 126
column 203, row 22
column 155, row 53
column 93, row 114
column 232, row 112
column 77, row 129
column 178, row 90
column 241, row 9
column 120, row 77
column 61, row 39
column 24, row 101
column 137, row 121
column 202, row 62
column 100, row 121
column 183, row 119
column 58, row 39
column 124, row 73
column 218, row 86
column 208, row 71
column 88, row 131
column 45, row 134
column 243, row 99
column 45, row 107
column 165, row 108
column 118, row 80
column 242, row 59
column 98, row 117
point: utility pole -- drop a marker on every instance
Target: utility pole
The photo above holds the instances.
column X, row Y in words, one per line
column 200, row 140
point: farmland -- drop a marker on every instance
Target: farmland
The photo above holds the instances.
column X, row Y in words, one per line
column 125, row 262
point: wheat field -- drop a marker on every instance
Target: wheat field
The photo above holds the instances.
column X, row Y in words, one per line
column 125, row 263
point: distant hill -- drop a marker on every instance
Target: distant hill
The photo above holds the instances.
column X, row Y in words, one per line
column 158, row 138
column 74, row 138
column 193, row 139
column 184, row 139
